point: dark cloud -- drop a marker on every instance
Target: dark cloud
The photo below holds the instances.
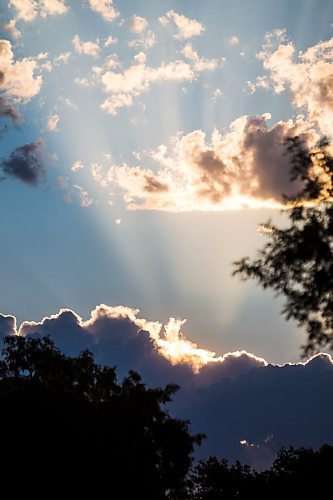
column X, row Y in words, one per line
column 264, row 409
column 25, row 163
column 271, row 158
column 7, row 325
column 247, row 409
column 7, row 110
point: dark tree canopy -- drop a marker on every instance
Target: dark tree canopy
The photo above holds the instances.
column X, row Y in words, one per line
column 295, row 473
column 297, row 261
column 71, row 423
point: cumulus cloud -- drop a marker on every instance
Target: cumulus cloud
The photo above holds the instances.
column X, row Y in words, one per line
column 233, row 40
column 308, row 75
column 12, row 29
column 77, row 165
column 17, row 78
column 7, row 110
column 248, row 166
column 105, row 8
column 110, row 41
column 52, row 123
column 139, row 78
column 241, row 402
column 63, row 58
column 87, row 48
column 138, row 24
column 145, row 41
column 187, row 28
column 7, row 325
column 28, row 10
column 25, row 163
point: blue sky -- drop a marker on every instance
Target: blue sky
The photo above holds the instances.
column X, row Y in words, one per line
column 137, row 206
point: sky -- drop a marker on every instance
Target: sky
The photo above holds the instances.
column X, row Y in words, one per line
column 142, row 143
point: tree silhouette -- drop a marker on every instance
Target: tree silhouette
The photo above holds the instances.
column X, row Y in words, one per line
column 297, row 261
column 71, row 421
column 295, row 473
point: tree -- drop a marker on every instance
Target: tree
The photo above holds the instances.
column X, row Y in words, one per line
column 295, row 473
column 297, row 261
column 214, row 479
column 70, row 420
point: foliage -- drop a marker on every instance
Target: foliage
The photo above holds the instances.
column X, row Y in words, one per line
column 297, row 261
column 69, row 419
column 295, row 473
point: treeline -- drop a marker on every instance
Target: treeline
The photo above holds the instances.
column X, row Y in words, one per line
column 68, row 427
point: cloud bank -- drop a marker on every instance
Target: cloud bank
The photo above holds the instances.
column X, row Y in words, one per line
column 246, row 167
column 247, row 407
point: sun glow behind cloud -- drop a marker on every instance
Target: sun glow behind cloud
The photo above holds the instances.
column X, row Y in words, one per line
column 166, row 146
column 168, row 339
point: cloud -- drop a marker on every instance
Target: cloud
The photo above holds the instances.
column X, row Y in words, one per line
column 77, row 165
column 17, row 78
column 308, row 75
column 233, row 40
column 85, row 199
column 87, row 48
column 187, row 28
column 7, row 110
column 110, row 41
column 25, row 163
column 12, row 29
column 52, row 123
column 139, row 78
column 105, row 8
column 146, row 41
column 247, row 407
column 64, row 57
column 246, row 167
column 7, row 325
column 138, row 24
column 28, row 10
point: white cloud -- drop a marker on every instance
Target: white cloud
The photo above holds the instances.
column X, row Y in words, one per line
column 98, row 175
column 187, row 28
column 52, row 123
column 246, row 167
column 110, row 41
column 28, row 10
column 52, row 7
column 77, row 165
column 139, row 77
column 87, row 48
column 233, row 40
column 146, row 41
column 105, row 8
column 17, row 78
column 85, row 199
column 262, row 82
column 64, row 57
column 138, row 24
column 199, row 63
column 308, row 75
column 83, row 82
column 12, row 29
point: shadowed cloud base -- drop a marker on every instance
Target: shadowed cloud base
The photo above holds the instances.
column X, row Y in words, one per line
column 247, row 408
